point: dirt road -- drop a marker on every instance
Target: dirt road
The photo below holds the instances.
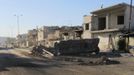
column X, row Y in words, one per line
column 12, row 62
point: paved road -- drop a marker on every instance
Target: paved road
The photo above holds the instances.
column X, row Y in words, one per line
column 14, row 62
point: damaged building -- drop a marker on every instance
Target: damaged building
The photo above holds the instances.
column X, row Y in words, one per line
column 22, row 40
column 48, row 35
column 32, row 37
column 45, row 33
column 107, row 24
column 71, row 33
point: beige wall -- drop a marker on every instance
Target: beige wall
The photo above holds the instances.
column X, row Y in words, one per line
column 131, row 43
column 113, row 20
column 86, row 35
column 87, row 19
column 40, row 35
column 104, row 40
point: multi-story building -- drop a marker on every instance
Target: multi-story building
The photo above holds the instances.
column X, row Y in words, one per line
column 108, row 23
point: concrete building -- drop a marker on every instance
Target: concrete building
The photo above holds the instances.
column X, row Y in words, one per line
column 48, row 35
column 32, row 37
column 22, row 40
column 43, row 33
column 107, row 24
column 53, row 37
column 71, row 33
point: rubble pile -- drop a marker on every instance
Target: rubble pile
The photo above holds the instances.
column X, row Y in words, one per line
column 41, row 51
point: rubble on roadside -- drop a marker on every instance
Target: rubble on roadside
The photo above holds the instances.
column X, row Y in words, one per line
column 42, row 52
column 100, row 61
column 126, row 54
column 103, row 60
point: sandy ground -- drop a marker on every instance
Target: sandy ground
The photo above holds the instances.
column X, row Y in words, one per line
column 15, row 62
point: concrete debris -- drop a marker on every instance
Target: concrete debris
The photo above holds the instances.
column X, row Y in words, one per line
column 47, row 54
column 126, row 54
column 41, row 51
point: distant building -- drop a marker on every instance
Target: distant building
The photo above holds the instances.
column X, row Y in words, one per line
column 53, row 37
column 10, row 42
column 108, row 23
column 71, row 33
column 32, row 37
column 43, row 33
column 22, row 40
column 48, row 35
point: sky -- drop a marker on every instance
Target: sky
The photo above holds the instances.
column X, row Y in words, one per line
column 33, row 13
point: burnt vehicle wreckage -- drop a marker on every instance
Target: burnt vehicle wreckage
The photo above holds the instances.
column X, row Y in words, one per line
column 71, row 47
column 76, row 47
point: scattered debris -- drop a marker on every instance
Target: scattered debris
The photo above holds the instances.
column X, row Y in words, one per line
column 103, row 60
column 41, row 51
column 126, row 54
column 100, row 61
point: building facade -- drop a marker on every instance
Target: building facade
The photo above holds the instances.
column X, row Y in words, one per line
column 44, row 33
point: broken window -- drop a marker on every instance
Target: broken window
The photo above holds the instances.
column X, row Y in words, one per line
column 120, row 20
column 87, row 26
column 102, row 23
column 66, row 34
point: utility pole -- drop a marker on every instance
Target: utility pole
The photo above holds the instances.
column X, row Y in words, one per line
column 130, row 18
column 18, row 22
column 37, row 34
column 130, row 15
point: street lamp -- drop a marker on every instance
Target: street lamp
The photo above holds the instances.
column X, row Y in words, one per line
column 18, row 24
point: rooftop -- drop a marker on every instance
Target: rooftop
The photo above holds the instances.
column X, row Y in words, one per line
column 111, row 7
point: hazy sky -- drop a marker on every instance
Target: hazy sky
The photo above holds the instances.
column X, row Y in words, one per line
column 46, row 12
